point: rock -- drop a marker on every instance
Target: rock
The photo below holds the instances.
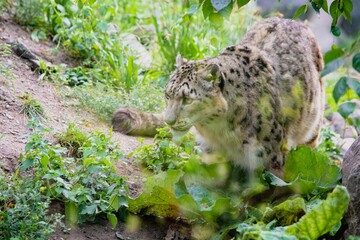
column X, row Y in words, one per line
column 337, row 122
column 351, row 180
column 339, row 125
column 22, row 51
column 143, row 56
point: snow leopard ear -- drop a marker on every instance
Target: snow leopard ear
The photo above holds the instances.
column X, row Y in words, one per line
column 210, row 73
column 180, row 61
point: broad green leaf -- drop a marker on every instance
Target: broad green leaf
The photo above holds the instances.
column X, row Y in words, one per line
column 340, row 89
column 112, row 219
column 26, row 164
column 118, row 201
column 354, row 84
column 332, row 66
column 314, row 171
column 44, row 160
column 333, row 54
column 356, row 62
column 241, row 3
column 346, row 108
column 289, row 211
column 158, row 197
column 220, row 4
column 323, row 217
column 71, row 213
column 301, row 10
column 89, row 209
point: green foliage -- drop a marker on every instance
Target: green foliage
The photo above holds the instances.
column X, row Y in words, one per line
column 343, row 62
column 163, row 154
column 24, row 209
column 201, row 194
column 87, row 181
column 301, row 10
column 311, row 172
column 316, row 222
column 327, row 145
column 76, row 76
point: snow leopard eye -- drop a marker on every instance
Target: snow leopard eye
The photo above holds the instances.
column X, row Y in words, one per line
column 187, row 100
column 167, row 96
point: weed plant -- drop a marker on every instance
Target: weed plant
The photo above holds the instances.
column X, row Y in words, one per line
column 24, row 209
column 83, row 175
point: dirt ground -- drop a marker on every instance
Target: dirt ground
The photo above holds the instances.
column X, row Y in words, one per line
column 18, row 80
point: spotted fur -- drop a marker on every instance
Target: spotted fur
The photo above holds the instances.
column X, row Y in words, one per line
column 255, row 100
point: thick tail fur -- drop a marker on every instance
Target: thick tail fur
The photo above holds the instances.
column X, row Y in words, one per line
column 135, row 122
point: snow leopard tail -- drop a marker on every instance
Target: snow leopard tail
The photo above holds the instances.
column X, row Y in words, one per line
column 137, row 123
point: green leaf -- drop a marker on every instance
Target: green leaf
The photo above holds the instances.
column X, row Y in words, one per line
column 112, row 219
column 346, row 108
column 207, row 9
column 71, row 212
column 323, row 217
column 44, row 160
column 192, row 9
column 301, row 10
column 348, row 7
column 356, row 62
column 289, row 211
column 332, row 66
column 334, row 11
column 274, row 180
column 216, row 19
column 89, row 209
column 325, row 6
column 340, row 88
column 317, row 5
column 241, row 3
column 312, row 171
column 26, row 164
column 336, row 31
column 220, row 4
column 118, row 201
column 333, row 54
column 102, row 26
column 158, row 197
column 66, row 22
column 354, row 84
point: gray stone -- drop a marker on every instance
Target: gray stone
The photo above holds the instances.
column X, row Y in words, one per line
column 351, row 180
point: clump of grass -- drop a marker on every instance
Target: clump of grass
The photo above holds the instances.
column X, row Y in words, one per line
column 104, row 100
column 31, row 107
